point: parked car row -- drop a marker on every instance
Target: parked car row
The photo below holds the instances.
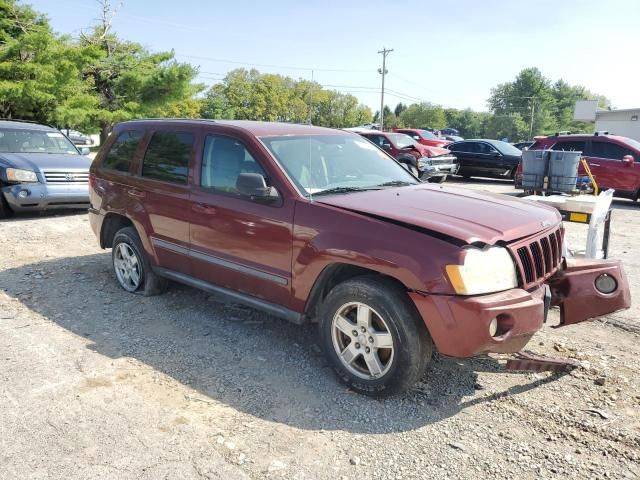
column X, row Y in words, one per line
column 319, row 225
column 425, row 162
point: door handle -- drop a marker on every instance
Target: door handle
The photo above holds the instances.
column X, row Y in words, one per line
column 594, row 164
column 134, row 192
column 203, row 208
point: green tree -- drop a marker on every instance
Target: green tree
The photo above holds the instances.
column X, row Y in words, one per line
column 127, row 80
column 400, row 107
column 39, row 72
column 529, row 92
column 509, row 125
column 251, row 95
column 424, row 115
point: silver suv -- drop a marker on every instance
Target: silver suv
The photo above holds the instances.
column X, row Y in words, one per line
column 40, row 168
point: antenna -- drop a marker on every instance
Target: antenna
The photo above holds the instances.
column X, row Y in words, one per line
column 383, row 71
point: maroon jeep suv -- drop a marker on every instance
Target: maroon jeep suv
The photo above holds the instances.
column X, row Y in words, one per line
column 319, row 225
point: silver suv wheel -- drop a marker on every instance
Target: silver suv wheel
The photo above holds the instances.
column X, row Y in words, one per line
column 362, row 340
column 127, row 266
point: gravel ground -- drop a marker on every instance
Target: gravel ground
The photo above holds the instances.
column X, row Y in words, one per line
column 99, row 383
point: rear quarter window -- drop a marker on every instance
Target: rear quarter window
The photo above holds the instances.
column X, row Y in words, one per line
column 120, row 155
column 167, row 157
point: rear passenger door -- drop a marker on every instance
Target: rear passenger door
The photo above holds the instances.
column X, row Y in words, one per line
column 159, row 196
column 238, row 242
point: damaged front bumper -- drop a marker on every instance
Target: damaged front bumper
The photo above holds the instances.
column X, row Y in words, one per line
column 460, row 326
column 576, row 289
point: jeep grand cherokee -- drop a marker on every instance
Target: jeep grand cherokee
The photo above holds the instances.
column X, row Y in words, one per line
column 319, row 225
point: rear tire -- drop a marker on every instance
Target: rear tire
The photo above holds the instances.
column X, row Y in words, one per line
column 373, row 336
column 131, row 265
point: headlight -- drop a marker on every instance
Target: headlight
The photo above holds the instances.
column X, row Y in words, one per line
column 483, row 271
column 21, row 176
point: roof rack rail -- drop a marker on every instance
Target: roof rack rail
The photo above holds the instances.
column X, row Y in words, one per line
column 601, row 132
column 563, row 132
column 26, row 121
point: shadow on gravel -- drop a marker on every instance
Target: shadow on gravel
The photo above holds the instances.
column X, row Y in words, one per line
column 240, row 357
column 44, row 214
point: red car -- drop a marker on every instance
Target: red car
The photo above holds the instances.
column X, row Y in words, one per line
column 612, row 159
column 425, row 137
column 318, row 226
column 427, row 163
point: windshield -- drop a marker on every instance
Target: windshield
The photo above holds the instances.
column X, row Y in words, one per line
column 427, row 135
column 21, row 140
column 319, row 163
column 506, row 148
column 634, row 143
column 400, row 140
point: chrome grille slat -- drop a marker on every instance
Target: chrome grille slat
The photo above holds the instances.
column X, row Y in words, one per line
column 538, row 258
column 66, row 176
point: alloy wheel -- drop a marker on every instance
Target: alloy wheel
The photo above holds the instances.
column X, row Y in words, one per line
column 362, row 340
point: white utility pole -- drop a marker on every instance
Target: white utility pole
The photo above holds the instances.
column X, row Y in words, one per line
column 383, row 71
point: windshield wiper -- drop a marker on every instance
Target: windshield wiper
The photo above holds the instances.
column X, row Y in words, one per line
column 395, row 183
column 344, row 190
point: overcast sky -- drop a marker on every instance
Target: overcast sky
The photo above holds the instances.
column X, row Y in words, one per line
column 446, row 52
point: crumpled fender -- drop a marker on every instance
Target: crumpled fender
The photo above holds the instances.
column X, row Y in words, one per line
column 573, row 290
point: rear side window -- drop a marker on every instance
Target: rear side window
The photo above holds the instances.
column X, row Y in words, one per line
column 122, row 150
column 223, row 160
column 608, row 150
column 167, row 157
column 573, row 146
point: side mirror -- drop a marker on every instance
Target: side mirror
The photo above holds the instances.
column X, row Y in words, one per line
column 386, row 146
column 85, row 151
column 628, row 160
column 416, row 137
column 255, row 186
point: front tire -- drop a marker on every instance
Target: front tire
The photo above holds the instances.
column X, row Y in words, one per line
column 131, row 265
column 373, row 336
column 5, row 209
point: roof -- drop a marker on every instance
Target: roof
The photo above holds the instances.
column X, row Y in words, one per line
column 620, row 110
column 24, row 125
column 258, row 129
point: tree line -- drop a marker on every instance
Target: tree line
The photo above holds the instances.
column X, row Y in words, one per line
column 92, row 82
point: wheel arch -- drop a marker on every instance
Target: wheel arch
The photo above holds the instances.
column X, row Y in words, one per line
column 333, row 275
column 110, row 226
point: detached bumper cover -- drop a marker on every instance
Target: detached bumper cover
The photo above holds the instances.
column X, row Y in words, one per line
column 459, row 326
column 574, row 291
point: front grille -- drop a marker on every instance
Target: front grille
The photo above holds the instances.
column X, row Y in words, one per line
column 443, row 160
column 538, row 258
column 61, row 176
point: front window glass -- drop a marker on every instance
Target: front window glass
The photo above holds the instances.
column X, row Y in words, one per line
column 223, row 160
column 400, row 140
column 506, row 148
column 19, row 140
column 427, row 135
column 324, row 163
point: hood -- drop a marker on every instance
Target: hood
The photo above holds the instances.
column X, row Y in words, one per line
column 45, row 161
column 463, row 214
column 436, row 151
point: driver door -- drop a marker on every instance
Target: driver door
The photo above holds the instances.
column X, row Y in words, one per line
column 238, row 242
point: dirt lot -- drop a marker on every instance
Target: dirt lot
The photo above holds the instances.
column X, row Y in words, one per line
column 99, row 383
